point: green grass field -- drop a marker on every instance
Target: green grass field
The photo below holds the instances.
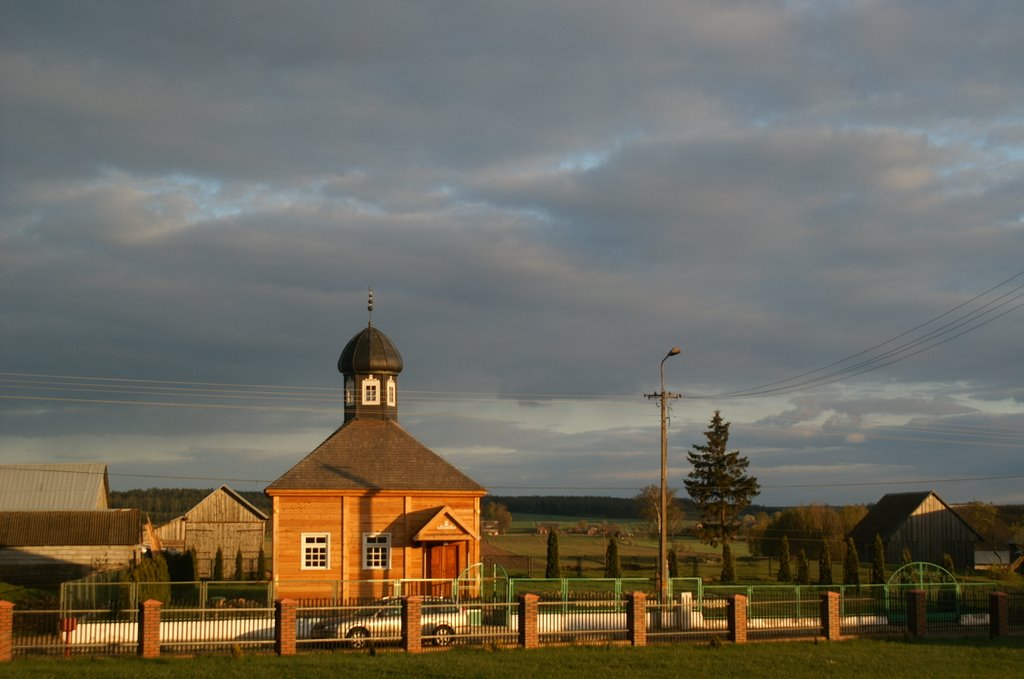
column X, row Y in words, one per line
column 858, row 658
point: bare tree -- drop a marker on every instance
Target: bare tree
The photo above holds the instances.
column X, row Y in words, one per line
column 648, row 502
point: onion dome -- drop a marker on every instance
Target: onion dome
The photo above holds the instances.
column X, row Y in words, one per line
column 370, row 351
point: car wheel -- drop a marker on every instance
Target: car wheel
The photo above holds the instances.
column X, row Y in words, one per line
column 443, row 635
column 357, row 637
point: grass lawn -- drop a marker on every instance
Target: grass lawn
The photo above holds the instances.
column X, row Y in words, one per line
column 859, row 658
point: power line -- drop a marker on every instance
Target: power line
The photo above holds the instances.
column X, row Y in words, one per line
column 930, row 340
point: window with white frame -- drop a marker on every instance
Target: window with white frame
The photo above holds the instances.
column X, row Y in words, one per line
column 350, row 392
column 392, row 395
column 316, row 548
column 371, row 391
column 376, row 551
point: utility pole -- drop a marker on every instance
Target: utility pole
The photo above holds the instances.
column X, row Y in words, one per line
column 663, row 397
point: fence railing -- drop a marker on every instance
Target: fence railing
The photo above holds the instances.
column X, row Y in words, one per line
column 568, row 614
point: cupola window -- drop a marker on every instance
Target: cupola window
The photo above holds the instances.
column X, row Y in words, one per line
column 371, row 391
column 350, row 392
column 392, row 391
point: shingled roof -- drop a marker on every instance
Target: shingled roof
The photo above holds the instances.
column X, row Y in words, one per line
column 373, row 454
column 71, row 528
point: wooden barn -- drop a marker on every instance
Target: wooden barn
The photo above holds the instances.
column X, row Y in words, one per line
column 920, row 522
column 223, row 519
column 45, row 548
column 371, row 503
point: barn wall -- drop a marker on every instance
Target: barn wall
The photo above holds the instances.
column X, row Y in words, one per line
column 50, row 565
column 931, row 531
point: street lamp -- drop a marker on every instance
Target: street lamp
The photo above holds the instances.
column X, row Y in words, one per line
column 663, row 542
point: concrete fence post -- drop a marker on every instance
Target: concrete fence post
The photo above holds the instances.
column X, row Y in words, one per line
column 737, row 612
column 917, row 613
column 6, row 631
column 149, row 628
column 636, row 618
column 285, row 626
column 831, row 622
column 528, row 635
column 998, row 615
column 412, row 624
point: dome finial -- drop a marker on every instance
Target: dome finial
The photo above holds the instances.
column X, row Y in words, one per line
column 369, row 307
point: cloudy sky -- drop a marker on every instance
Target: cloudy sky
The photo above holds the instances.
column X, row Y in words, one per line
column 821, row 201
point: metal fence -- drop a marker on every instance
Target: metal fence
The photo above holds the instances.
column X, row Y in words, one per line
column 234, row 616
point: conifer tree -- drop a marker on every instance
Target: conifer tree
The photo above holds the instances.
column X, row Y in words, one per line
column 878, row 562
column 553, row 568
column 612, row 564
column 218, row 565
column 803, row 569
column 719, row 484
column 785, row 572
column 825, row 564
column 261, row 565
column 239, row 565
column 947, row 563
column 728, row 565
column 851, row 564
column 673, row 564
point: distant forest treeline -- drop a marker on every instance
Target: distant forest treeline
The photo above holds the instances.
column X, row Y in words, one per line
column 590, row 506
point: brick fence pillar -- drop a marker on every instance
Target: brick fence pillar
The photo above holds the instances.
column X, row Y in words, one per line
column 528, row 636
column 917, row 613
column 998, row 615
column 6, row 631
column 412, row 624
column 830, row 618
column 284, row 626
column 149, row 628
column 636, row 618
column 737, row 612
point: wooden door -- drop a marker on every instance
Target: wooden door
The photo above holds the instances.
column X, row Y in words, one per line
column 443, row 563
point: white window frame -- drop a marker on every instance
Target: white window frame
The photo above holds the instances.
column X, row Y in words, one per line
column 316, row 552
column 376, row 551
column 350, row 392
column 371, row 391
column 392, row 392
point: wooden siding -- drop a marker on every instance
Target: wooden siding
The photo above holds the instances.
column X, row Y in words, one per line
column 221, row 521
column 931, row 531
column 49, row 565
column 346, row 517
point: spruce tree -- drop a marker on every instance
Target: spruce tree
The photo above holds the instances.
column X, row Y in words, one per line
column 612, row 564
column 947, row 563
column 218, row 565
column 825, row 564
column 785, row 572
column 851, row 564
column 803, row 569
column 673, row 564
column 878, row 562
column 261, row 565
column 553, row 569
column 718, row 484
column 239, row 565
column 728, row 565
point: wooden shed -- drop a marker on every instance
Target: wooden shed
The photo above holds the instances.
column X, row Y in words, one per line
column 44, row 548
column 225, row 520
column 921, row 522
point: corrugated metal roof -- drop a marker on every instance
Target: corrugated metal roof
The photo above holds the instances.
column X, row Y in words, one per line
column 44, row 487
column 62, row 529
